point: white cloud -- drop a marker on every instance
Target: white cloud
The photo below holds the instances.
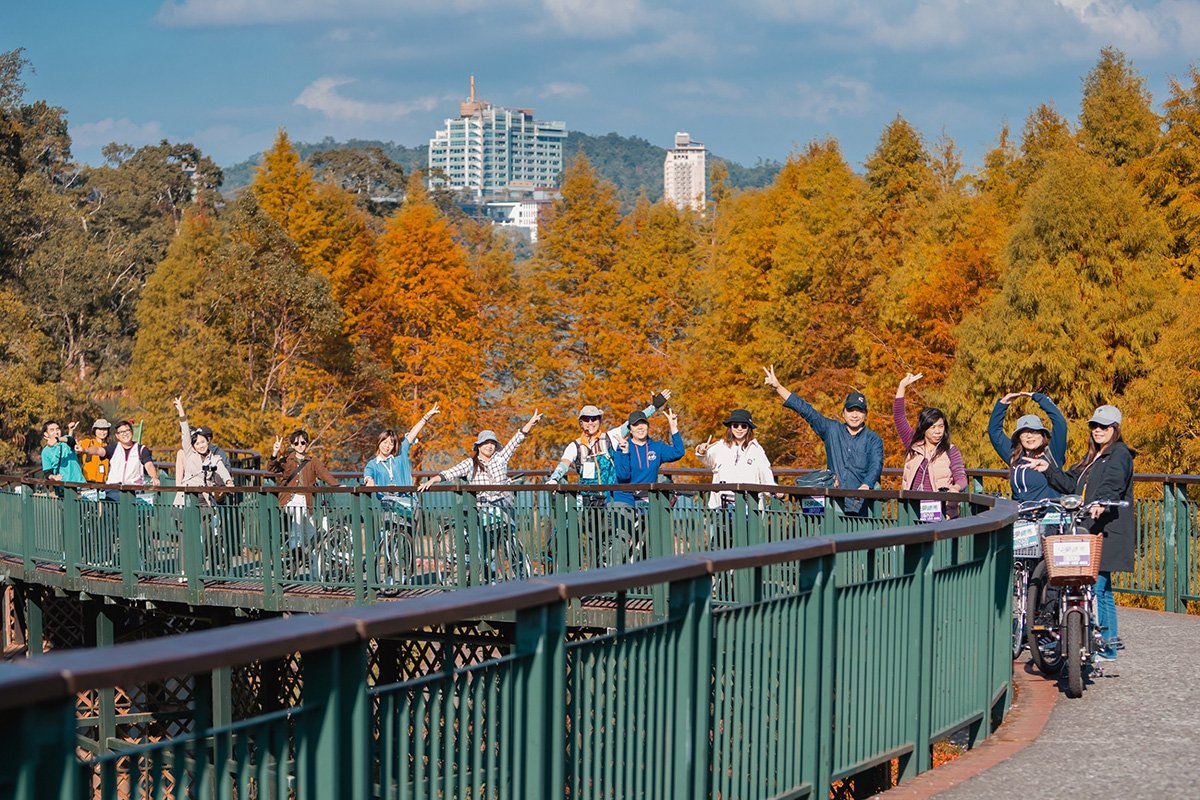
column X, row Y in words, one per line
column 1151, row 27
column 677, row 45
column 563, row 89
column 1147, row 30
column 124, row 131
column 711, row 87
column 836, row 96
column 595, row 18
column 322, row 96
column 227, row 13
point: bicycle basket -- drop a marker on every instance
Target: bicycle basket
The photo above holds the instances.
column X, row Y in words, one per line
column 1072, row 559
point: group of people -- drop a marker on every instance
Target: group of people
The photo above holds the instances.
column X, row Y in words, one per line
column 122, row 461
column 626, row 454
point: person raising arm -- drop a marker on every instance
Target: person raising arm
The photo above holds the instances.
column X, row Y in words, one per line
column 853, row 452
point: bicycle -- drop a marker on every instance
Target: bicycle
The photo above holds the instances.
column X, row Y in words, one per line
column 395, row 554
column 1033, row 518
column 1064, row 634
column 505, row 558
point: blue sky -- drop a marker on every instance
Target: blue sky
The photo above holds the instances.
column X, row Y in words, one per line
column 756, row 79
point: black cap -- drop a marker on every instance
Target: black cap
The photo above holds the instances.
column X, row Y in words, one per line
column 636, row 417
column 740, row 415
column 856, row 400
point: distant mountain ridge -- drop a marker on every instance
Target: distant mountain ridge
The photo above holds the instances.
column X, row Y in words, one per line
column 632, row 163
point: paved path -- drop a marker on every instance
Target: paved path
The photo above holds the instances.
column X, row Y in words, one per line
column 1135, row 733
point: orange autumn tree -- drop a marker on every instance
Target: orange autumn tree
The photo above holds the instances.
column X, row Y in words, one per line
column 426, row 319
column 1170, row 175
column 782, row 283
column 902, row 192
column 646, row 313
column 568, row 282
column 331, row 233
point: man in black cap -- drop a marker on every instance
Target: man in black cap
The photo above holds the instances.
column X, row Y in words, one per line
column 853, row 452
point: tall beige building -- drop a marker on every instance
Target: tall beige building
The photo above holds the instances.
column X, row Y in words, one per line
column 493, row 151
column 684, row 174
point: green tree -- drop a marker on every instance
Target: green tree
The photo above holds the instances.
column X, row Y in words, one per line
column 1046, row 132
column 280, row 360
column 1116, row 122
column 1170, row 175
column 1081, row 305
column 28, row 390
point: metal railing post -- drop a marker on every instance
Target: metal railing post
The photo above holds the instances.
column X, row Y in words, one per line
column 27, row 532
column 690, row 608
column 1176, row 525
column 192, row 546
column 659, row 541
column 358, row 535
column 270, row 536
column 127, row 540
column 823, row 641
column 1167, row 528
column 72, row 531
column 469, row 538
column 335, row 745
column 918, row 560
column 541, row 634
column 40, row 757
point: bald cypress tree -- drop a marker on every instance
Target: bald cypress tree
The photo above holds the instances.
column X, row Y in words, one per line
column 1081, row 305
column 1170, row 175
column 1116, row 122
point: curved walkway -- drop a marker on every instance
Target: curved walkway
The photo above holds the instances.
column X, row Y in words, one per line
column 1133, row 734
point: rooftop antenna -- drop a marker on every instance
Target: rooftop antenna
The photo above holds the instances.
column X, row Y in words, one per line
column 472, row 106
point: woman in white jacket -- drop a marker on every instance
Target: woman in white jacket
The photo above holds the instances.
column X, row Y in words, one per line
column 736, row 458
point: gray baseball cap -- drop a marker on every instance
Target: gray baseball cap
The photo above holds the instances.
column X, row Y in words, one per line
column 1031, row 422
column 1106, row 415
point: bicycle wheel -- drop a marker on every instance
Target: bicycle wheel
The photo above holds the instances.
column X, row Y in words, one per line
column 394, row 558
column 1020, row 595
column 1075, row 651
column 1041, row 624
column 513, row 563
column 333, row 555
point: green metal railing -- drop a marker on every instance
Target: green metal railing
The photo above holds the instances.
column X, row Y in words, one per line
column 830, row 656
column 353, row 549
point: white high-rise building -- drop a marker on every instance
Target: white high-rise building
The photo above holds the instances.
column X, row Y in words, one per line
column 684, row 174
column 493, row 151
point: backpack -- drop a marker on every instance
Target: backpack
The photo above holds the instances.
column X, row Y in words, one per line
column 606, row 469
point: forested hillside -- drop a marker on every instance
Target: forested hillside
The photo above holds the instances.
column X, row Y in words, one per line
column 632, row 164
column 1067, row 263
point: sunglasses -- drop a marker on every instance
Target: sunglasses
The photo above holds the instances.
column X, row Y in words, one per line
column 1097, row 426
column 300, row 443
column 739, row 425
column 589, row 419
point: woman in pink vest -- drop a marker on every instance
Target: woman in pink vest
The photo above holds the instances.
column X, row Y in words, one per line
column 931, row 463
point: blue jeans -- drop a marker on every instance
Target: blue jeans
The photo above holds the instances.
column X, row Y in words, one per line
column 1106, row 609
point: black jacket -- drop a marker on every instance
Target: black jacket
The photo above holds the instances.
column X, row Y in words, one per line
column 1110, row 477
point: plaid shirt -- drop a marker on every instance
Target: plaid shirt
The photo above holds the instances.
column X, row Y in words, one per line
column 495, row 471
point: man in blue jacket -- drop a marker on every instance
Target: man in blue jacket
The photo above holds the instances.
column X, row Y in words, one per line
column 639, row 457
column 853, row 452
